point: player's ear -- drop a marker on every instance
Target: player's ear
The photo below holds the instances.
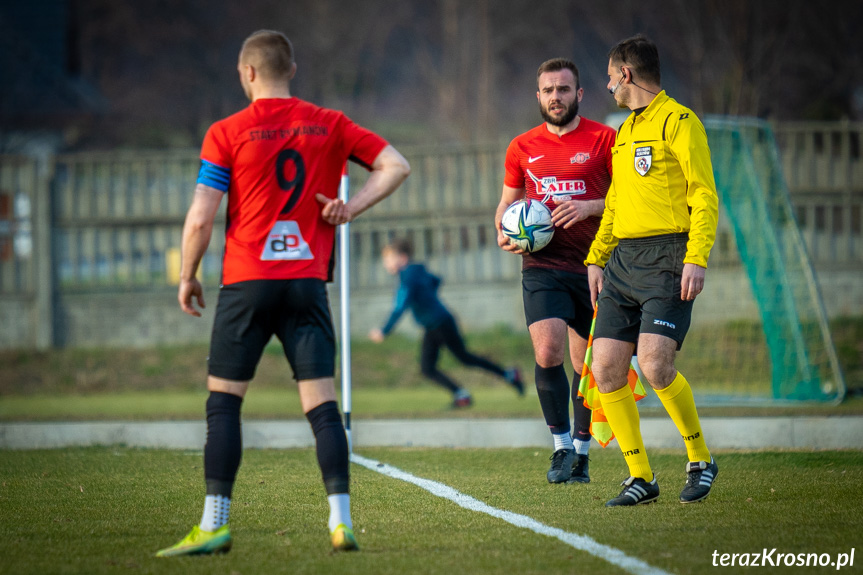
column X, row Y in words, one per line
column 293, row 71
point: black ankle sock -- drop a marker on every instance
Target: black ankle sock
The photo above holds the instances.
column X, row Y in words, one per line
column 552, row 387
column 331, row 445
column 580, row 414
column 224, row 448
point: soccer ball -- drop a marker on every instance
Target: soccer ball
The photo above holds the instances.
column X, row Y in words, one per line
column 527, row 224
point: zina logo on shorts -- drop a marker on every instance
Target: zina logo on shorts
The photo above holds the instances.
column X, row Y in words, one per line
column 285, row 242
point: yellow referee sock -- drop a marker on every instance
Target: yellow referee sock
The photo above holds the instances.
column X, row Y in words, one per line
column 622, row 415
column 678, row 402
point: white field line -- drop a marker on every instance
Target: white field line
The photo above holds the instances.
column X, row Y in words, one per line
column 580, row 542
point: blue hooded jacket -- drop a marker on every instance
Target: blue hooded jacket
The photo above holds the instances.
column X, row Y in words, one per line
column 417, row 291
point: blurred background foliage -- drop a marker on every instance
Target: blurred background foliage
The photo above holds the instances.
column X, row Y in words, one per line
column 159, row 72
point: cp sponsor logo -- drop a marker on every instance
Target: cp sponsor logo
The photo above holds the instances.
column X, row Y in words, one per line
column 285, row 242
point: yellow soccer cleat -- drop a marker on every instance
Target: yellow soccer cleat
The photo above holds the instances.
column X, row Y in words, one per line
column 343, row 539
column 199, row 542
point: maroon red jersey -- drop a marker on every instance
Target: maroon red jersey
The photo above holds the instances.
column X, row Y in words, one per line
column 552, row 169
column 273, row 158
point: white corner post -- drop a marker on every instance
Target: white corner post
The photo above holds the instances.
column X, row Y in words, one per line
column 345, row 306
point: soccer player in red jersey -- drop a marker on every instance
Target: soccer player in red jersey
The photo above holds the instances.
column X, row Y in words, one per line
column 280, row 162
column 566, row 164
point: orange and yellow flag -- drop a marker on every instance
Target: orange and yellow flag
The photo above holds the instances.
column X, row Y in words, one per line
column 587, row 389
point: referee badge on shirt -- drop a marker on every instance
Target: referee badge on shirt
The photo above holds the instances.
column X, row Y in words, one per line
column 643, row 159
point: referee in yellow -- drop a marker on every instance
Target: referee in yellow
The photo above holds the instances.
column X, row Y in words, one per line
column 655, row 237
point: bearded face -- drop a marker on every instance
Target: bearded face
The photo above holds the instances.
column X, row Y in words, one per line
column 558, row 113
column 558, row 96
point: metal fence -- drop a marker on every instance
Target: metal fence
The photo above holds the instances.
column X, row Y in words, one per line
column 115, row 219
column 18, row 185
column 823, row 167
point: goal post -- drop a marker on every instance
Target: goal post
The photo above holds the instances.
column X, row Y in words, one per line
column 756, row 204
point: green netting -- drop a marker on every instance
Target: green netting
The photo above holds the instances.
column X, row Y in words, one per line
column 755, row 199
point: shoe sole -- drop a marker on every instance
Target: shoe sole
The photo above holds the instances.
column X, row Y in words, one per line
column 345, row 545
column 648, row 502
column 578, row 480
column 699, row 500
column 219, row 551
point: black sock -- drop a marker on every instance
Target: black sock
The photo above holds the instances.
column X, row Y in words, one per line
column 580, row 414
column 331, row 445
column 224, row 448
column 552, row 387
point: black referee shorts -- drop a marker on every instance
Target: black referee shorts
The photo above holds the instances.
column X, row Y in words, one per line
column 641, row 290
column 249, row 313
column 551, row 293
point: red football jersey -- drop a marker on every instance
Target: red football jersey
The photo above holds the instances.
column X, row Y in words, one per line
column 278, row 153
column 575, row 166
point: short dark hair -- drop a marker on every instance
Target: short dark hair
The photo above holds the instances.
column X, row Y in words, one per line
column 640, row 54
column 270, row 52
column 556, row 65
column 401, row 246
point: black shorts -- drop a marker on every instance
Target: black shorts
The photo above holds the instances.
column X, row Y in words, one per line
column 551, row 293
column 249, row 313
column 641, row 290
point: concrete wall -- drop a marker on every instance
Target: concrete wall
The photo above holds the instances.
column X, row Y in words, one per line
column 152, row 317
column 130, row 319
column 16, row 323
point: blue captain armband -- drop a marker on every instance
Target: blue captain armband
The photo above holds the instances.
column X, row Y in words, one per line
column 214, row 176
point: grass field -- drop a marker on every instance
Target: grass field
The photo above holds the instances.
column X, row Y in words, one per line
column 168, row 382
column 368, row 403
column 107, row 510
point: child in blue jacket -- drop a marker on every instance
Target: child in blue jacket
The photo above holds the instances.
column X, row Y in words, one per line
column 417, row 291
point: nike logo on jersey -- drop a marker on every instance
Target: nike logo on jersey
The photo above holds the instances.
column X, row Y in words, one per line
column 532, row 160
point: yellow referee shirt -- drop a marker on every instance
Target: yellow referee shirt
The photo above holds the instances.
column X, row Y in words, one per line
column 662, row 182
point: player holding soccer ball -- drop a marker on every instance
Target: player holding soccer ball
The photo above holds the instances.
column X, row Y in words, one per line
column 564, row 163
column 279, row 162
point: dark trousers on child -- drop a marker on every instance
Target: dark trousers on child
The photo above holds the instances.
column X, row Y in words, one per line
column 447, row 335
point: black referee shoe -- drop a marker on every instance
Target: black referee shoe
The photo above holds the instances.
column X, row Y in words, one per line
column 561, row 466
column 580, row 470
column 636, row 491
column 700, row 480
